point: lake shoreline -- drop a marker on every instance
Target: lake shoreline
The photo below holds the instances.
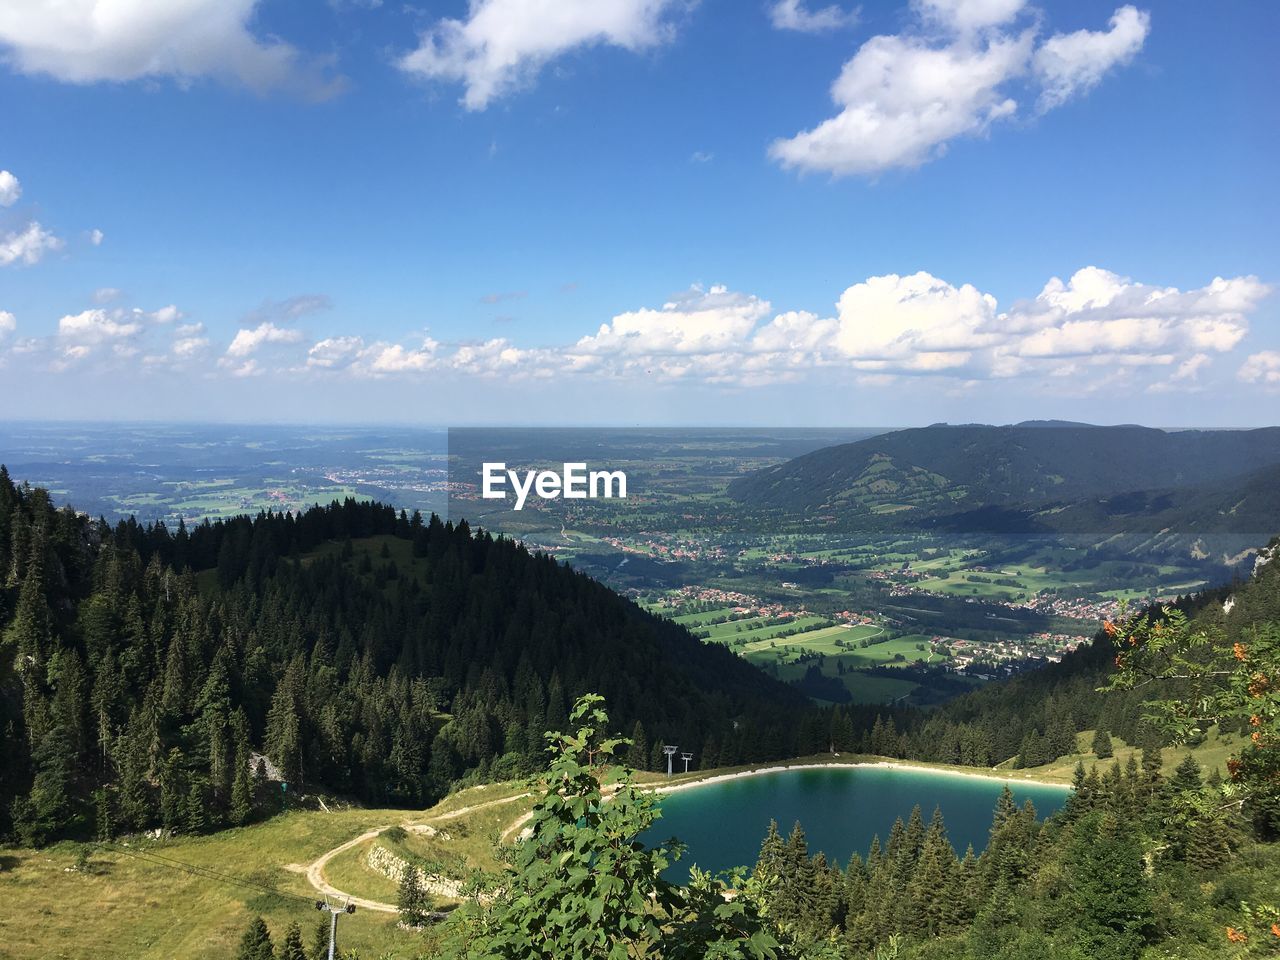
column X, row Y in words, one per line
column 881, row 764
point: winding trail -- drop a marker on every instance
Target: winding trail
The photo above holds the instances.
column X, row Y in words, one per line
column 446, row 887
column 439, row 886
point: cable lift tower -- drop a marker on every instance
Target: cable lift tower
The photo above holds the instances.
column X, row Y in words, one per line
column 325, row 906
column 686, row 757
column 670, row 751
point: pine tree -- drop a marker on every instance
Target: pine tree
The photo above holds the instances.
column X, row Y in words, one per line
column 1186, row 776
column 638, row 752
column 194, row 818
column 1102, row 748
column 1107, row 895
column 291, row 948
column 414, row 902
column 241, row 795
column 769, row 862
column 320, row 941
column 256, row 942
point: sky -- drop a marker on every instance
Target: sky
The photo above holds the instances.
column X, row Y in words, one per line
column 756, row 212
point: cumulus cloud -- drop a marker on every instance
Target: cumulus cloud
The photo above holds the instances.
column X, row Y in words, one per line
column 967, row 16
column 1092, row 330
column 918, row 324
column 248, row 339
column 1073, row 63
column 1263, row 368
column 795, row 15
column 28, row 245
column 96, row 237
column 503, row 44
column 379, row 359
column 8, row 323
column 10, row 189
column 96, row 326
column 903, row 98
column 189, row 342
column 87, row 41
column 696, row 321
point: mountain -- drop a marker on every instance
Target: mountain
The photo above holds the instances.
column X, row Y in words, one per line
column 360, row 651
column 1035, row 476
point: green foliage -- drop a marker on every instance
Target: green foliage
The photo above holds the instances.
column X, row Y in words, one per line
column 1101, row 746
column 414, row 901
column 583, row 886
column 291, row 948
column 1202, row 678
column 256, row 942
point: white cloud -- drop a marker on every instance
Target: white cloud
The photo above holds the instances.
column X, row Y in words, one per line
column 250, row 368
column 167, row 314
column 1073, row 63
column 696, row 321
column 8, row 323
column 903, row 98
column 91, row 327
column 917, row 322
column 503, row 44
column 1100, row 312
column 1262, row 368
column 248, row 340
column 334, row 352
column 107, row 294
column 86, row 41
column 10, row 189
column 966, row 16
column 189, row 341
column 795, row 15
column 378, row 359
column 96, row 237
column 28, row 245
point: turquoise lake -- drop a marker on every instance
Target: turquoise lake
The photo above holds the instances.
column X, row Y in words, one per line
column 841, row 809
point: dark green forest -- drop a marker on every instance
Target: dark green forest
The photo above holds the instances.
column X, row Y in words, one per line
column 145, row 674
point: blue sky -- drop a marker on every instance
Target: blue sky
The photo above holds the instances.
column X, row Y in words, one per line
column 639, row 211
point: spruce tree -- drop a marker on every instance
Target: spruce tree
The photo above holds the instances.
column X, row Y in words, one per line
column 638, row 752
column 1186, row 776
column 1102, row 748
column 1107, row 895
column 256, row 942
column 291, row 947
column 194, row 817
column 414, row 902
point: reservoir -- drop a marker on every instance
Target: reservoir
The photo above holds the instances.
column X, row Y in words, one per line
column 723, row 822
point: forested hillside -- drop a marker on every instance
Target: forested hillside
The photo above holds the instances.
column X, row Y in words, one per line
column 366, row 653
column 1001, row 479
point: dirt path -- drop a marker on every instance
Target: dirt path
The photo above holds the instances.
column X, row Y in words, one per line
column 438, row 886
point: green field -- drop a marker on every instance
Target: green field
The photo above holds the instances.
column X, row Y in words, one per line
column 839, row 647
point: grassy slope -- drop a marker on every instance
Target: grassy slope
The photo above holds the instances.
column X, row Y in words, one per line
column 130, row 909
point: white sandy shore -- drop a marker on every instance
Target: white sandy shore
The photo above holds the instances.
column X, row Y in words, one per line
column 885, row 764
